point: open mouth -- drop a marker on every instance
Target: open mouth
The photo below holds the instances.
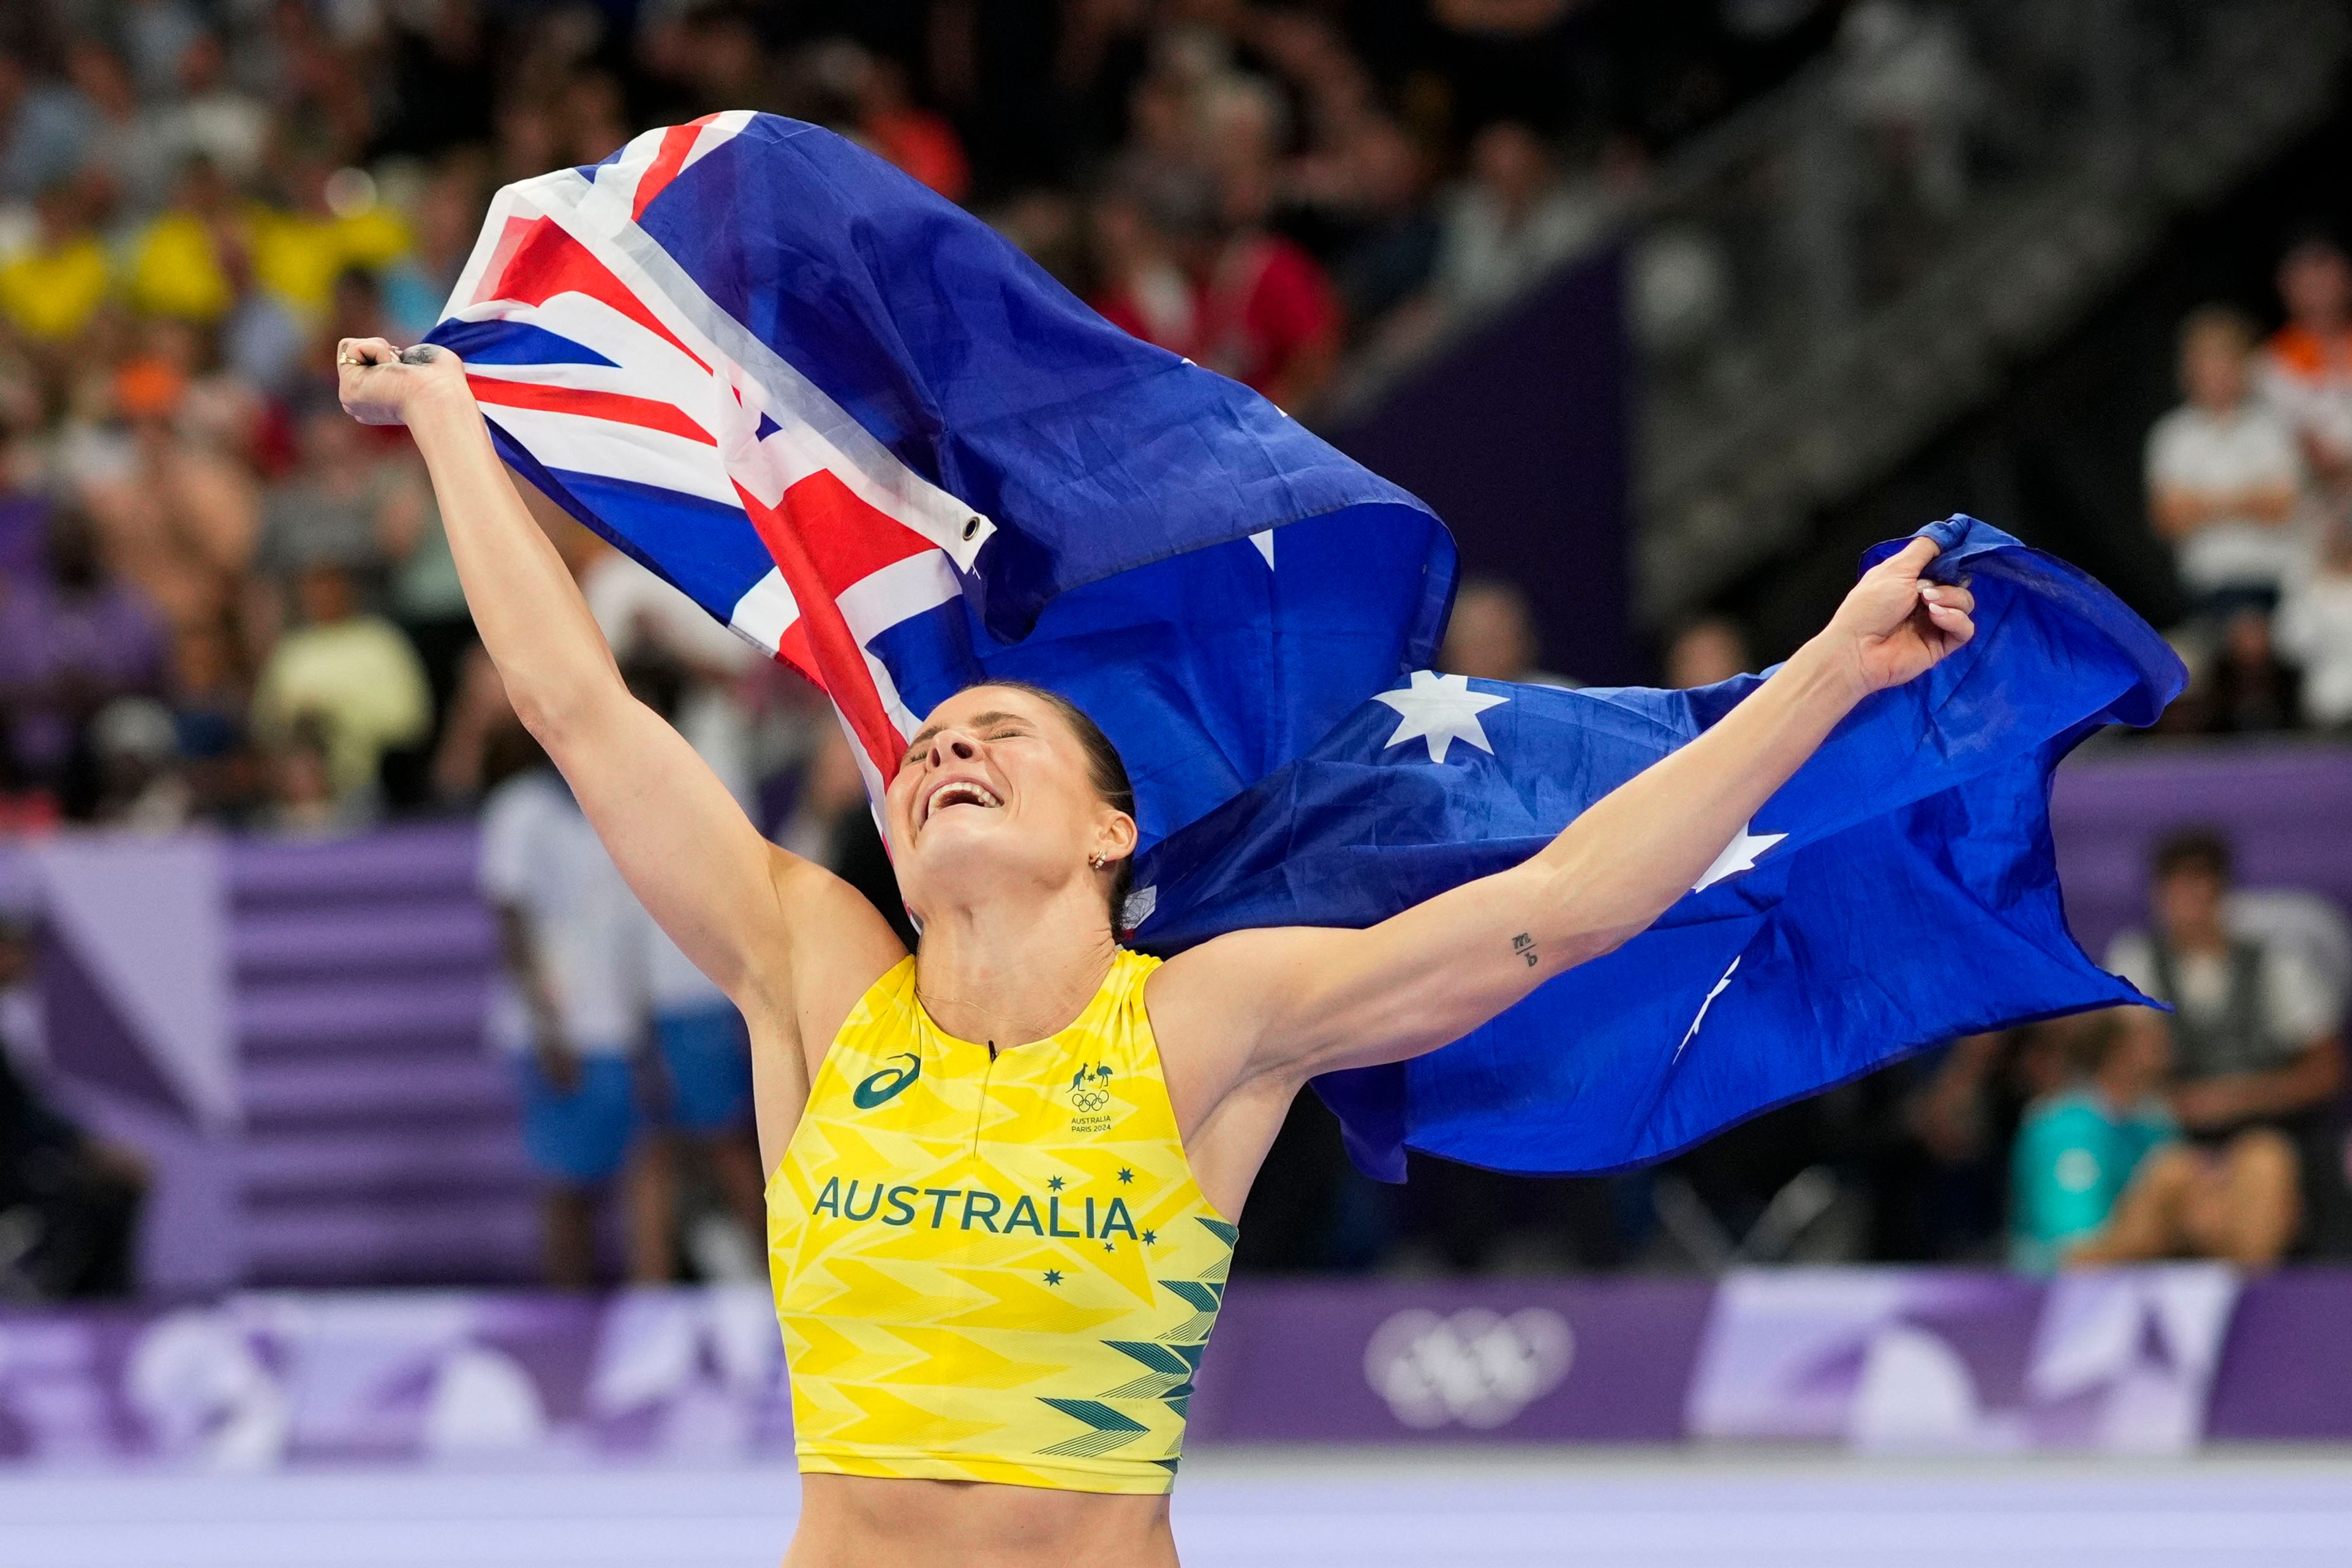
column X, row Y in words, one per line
column 960, row 791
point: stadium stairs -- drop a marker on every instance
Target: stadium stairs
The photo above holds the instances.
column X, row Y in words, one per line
column 380, row 1142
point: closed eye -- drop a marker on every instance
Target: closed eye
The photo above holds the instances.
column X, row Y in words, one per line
column 993, row 726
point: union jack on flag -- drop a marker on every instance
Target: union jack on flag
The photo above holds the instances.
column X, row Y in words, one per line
column 856, row 425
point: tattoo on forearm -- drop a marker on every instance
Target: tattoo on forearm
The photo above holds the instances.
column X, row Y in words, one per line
column 1525, row 946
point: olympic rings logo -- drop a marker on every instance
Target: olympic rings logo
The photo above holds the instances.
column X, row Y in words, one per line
column 1476, row 1367
column 1089, row 1099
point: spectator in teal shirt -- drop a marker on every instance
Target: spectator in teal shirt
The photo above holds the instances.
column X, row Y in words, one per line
column 2100, row 1172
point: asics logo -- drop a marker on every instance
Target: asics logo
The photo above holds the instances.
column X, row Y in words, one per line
column 879, row 1087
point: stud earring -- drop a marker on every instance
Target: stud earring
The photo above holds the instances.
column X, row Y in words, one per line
column 1095, row 861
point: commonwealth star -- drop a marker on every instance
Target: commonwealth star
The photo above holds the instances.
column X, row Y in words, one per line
column 1440, row 710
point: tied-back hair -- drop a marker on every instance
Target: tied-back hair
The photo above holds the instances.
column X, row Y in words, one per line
column 1105, row 770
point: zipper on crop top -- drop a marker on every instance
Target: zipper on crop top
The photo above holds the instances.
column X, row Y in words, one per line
column 987, row 1084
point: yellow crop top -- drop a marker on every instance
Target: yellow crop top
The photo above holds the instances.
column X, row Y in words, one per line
column 994, row 1270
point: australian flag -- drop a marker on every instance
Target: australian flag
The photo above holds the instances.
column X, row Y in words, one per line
column 859, row 427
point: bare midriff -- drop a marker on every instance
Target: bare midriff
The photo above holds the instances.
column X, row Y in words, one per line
column 859, row 1522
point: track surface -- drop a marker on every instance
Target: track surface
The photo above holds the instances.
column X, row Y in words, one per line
column 1243, row 1510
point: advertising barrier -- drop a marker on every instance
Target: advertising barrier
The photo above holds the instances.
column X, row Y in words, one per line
column 2136, row 1361
column 1602, row 1360
column 2121, row 1361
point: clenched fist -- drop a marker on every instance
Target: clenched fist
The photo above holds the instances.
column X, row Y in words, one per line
column 380, row 384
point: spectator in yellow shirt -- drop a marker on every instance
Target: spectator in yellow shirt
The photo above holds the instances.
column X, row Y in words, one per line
column 186, row 262
column 51, row 289
column 350, row 673
column 299, row 254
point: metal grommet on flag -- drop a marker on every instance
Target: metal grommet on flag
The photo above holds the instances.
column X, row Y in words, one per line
column 970, row 526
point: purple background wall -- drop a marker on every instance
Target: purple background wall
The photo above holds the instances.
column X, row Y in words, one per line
column 1520, row 436
column 2286, row 807
column 336, row 1119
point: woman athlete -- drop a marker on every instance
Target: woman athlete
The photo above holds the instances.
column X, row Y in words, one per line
column 1004, row 1171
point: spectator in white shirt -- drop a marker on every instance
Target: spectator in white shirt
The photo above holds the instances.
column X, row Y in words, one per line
column 568, row 1012
column 2315, row 626
column 1511, row 223
column 2224, row 478
column 700, row 1044
column 705, row 1055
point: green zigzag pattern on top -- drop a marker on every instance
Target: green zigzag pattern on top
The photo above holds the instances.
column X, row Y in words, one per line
column 1204, row 1297
column 1170, row 1363
column 1106, row 1429
column 1227, row 1234
column 1171, row 1376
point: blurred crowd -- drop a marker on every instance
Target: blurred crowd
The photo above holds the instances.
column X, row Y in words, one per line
column 220, row 600
column 2250, row 481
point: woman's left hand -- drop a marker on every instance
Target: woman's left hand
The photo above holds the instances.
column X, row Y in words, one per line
column 1893, row 626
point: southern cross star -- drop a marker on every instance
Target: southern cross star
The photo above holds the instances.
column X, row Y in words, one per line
column 1705, row 1003
column 1440, row 710
column 1052, row 1277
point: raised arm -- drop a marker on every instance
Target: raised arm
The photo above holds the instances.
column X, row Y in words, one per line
column 1285, row 1004
column 790, row 944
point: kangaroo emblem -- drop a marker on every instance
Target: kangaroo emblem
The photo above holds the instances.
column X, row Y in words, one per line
column 1094, row 1095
